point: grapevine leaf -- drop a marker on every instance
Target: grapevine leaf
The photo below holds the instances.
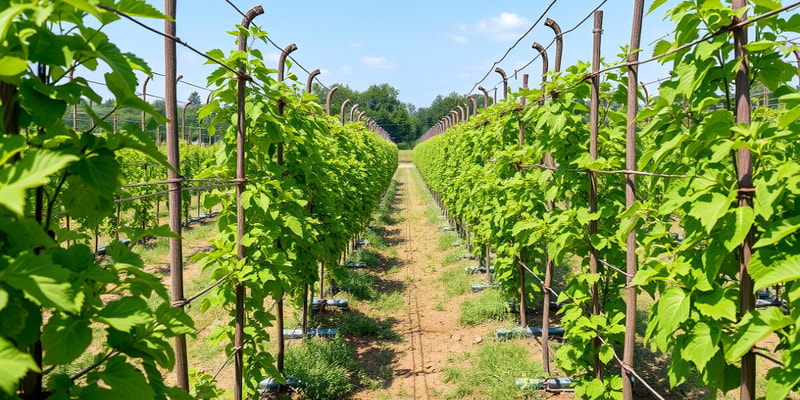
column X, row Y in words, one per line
column 606, row 353
column 718, row 305
column 293, row 224
column 701, row 345
column 673, row 307
column 65, row 338
column 138, row 8
column 755, row 326
column 14, row 366
column 32, row 170
column 125, row 313
column 709, row 208
column 126, row 381
column 11, row 66
column 780, row 271
column 780, row 383
column 3, row 298
column 736, row 225
column 10, row 145
column 777, row 231
column 790, row 116
column 42, row 281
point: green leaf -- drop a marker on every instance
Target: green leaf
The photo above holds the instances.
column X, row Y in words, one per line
column 606, row 353
column 126, row 381
column 138, row 8
column 3, row 298
column 755, row 326
column 14, row 366
column 790, row 116
column 701, row 345
column 8, row 15
column 42, row 281
column 11, row 66
column 673, row 307
column 777, row 231
column 65, row 338
column 136, row 234
column 709, row 208
column 125, row 313
column 780, row 382
column 655, row 5
column 718, row 305
column 10, row 145
column 738, row 222
column 293, row 224
column 785, row 270
column 32, row 170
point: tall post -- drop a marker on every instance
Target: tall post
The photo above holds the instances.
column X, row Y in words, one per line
column 630, row 198
column 310, row 79
column 174, row 178
column 208, row 100
column 462, row 113
column 328, row 106
column 523, row 302
column 279, row 301
column 746, row 191
column 488, row 273
column 183, row 124
column 353, row 111
column 341, row 112
column 505, row 82
column 144, row 98
column 241, row 184
column 594, row 116
column 360, row 115
column 485, row 96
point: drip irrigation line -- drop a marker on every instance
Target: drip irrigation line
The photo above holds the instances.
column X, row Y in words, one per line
column 491, row 69
column 173, row 38
column 630, row 369
column 225, row 364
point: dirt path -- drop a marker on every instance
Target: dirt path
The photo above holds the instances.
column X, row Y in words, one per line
column 431, row 335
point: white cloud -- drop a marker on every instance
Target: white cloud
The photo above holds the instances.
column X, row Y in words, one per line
column 378, row 62
column 355, row 45
column 274, row 57
column 346, row 70
column 460, row 39
column 506, row 26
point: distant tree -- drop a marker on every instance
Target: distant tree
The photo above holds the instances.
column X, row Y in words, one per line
column 194, row 99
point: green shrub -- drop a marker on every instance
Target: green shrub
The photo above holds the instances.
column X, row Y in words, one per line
column 360, row 285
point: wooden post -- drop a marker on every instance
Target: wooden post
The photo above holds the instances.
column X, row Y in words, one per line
column 630, row 198
column 174, row 178
column 523, row 303
column 594, row 114
column 746, row 191
column 241, row 185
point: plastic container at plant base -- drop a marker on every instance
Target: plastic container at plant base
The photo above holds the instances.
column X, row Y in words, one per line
column 340, row 303
column 517, row 332
column 272, row 384
column 529, row 384
column 324, row 332
column 474, row 269
column 293, row 333
column 359, row 264
column 558, row 383
column 466, row 257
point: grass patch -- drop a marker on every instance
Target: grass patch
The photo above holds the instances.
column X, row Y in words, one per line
column 360, row 285
column 490, row 305
column 455, row 282
column 369, row 256
column 355, row 324
column 325, row 368
column 452, row 257
column 389, row 302
column 446, row 240
column 374, row 236
column 491, row 372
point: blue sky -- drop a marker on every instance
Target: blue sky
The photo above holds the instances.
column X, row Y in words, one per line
column 422, row 48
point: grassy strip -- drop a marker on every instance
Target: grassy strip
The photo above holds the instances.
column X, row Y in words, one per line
column 491, row 372
column 490, row 305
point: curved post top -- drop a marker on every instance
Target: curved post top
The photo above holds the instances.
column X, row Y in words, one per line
column 341, row 113
column 310, row 79
column 543, row 53
column 559, row 42
column 485, row 96
column 178, row 78
column 328, row 99
column 505, row 81
column 352, row 111
column 248, row 17
column 282, row 60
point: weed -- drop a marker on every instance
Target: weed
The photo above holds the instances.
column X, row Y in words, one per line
column 389, row 302
column 490, row 305
column 359, row 284
column 446, row 240
column 375, row 237
column 368, row 256
column 455, row 282
column 323, row 367
column 491, row 372
column 451, row 257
